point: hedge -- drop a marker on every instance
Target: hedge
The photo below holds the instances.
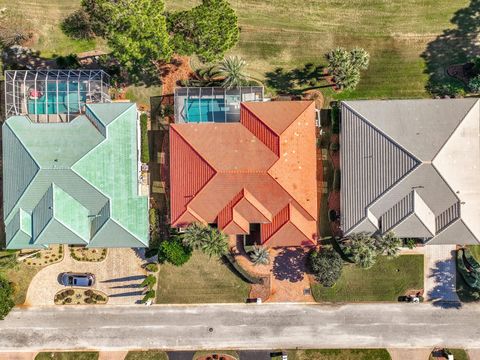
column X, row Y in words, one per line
column 336, row 180
column 241, row 271
column 145, row 153
column 335, row 114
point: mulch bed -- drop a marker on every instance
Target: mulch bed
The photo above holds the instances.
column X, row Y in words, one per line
column 178, row 69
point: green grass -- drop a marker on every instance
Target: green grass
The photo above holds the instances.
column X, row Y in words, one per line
column 385, row 281
column 46, row 16
column 67, row 356
column 337, row 354
column 141, row 94
column 146, row 355
column 200, row 280
column 395, row 33
column 458, row 354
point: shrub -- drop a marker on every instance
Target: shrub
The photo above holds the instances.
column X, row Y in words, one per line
column 88, row 293
column 149, row 281
column 174, row 251
column 334, row 146
column 68, row 300
column 345, row 66
column 260, row 255
column 70, row 292
column 144, row 151
column 67, row 62
column 474, row 84
column 335, row 118
column 336, row 180
column 150, row 294
column 208, row 239
column 78, row 26
column 88, row 300
column 326, row 265
column 362, row 249
column 152, row 267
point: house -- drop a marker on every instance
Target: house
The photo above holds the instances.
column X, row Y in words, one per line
column 256, row 176
column 74, row 182
column 412, row 167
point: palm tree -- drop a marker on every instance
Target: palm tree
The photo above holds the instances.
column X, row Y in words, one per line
column 233, row 69
column 195, row 236
column 389, row 245
column 202, row 237
column 362, row 248
column 260, row 255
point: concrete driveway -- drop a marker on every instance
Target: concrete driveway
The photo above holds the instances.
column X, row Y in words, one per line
column 117, row 276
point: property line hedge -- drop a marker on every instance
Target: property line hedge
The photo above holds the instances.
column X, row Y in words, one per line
column 336, row 180
column 335, row 118
column 144, row 151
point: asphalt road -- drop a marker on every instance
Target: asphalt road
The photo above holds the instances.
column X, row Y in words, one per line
column 266, row 326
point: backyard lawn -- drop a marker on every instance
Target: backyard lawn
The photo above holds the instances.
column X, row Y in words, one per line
column 385, row 281
column 200, row 280
column 337, row 354
column 396, row 33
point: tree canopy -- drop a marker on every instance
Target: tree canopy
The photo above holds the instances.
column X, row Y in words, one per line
column 326, row 265
column 345, row 66
column 210, row 241
column 135, row 30
column 208, row 30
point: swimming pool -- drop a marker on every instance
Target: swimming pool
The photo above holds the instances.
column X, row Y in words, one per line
column 204, row 110
column 58, row 98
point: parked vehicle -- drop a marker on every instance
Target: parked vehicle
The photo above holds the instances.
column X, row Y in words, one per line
column 254, row 301
column 409, row 299
column 77, row 279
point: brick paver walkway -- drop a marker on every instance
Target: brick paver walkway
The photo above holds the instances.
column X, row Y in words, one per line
column 440, row 273
column 117, row 276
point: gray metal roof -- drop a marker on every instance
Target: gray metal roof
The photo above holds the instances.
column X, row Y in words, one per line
column 412, row 164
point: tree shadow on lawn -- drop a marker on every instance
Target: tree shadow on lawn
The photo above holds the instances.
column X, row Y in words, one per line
column 453, row 46
column 290, row 264
column 297, row 80
column 444, row 293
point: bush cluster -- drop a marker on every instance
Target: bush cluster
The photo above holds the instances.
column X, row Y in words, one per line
column 144, row 151
column 174, row 251
column 326, row 265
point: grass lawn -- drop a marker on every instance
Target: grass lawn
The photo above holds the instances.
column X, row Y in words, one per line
column 67, row 355
column 147, row 355
column 395, row 33
column 458, row 354
column 46, row 16
column 385, row 281
column 337, row 354
column 200, row 280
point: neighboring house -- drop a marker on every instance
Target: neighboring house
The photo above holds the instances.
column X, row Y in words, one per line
column 256, row 176
column 412, row 167
column 74, row 182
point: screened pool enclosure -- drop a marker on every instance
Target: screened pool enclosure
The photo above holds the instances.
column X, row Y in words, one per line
column 213, row 104
column 53, row 95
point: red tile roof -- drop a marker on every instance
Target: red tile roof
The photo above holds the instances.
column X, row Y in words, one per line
column 261, row 170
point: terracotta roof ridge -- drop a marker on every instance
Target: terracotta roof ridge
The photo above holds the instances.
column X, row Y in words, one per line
column 248, row 196
column 281, row 225
column 241, row 171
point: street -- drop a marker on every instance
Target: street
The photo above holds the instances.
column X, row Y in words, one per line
column 239, row 326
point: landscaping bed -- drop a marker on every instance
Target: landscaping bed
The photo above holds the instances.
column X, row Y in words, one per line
column 45, row 257
column 78, row 296
column 147, row 355
column 201, row 280
column 71, row 355
column 385, row 281
column 81, row 253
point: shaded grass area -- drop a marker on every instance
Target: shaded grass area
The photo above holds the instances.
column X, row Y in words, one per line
column 339, row 354
column 396, row 33
column 147, row 355
column 200, row 280
column 458, row 354
column 141, row 94
column 67, row 356
column 385, row 281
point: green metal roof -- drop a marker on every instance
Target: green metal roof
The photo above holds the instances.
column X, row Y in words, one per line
column 74, row 180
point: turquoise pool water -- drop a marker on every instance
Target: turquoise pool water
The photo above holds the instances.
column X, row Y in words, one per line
column 204, row 110
column 48, row 104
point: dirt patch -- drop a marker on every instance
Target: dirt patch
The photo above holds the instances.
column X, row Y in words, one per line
column 178, row 69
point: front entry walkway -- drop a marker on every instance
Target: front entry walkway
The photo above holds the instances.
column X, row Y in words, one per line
column 440, row 273
column 118, row 276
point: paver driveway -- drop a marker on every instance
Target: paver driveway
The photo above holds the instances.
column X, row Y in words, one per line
column 117, row 276
column 440, row 273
